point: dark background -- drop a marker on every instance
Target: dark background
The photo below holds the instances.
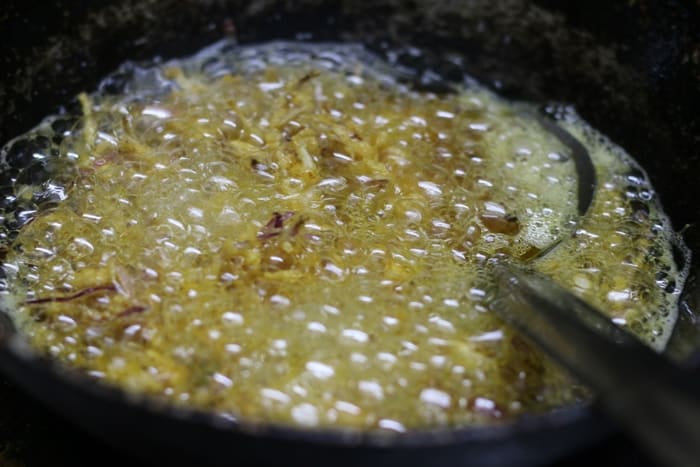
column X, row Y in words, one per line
column 631, row 67
column 31, row 436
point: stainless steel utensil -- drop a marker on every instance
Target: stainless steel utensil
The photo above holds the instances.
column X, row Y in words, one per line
column 650, row 397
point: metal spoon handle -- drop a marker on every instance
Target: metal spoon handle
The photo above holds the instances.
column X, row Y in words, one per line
column 653, row 399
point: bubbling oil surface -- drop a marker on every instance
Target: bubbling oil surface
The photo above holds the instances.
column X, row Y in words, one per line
column 286, row 232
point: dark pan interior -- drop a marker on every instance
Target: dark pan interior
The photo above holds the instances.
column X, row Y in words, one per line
column 632, row 69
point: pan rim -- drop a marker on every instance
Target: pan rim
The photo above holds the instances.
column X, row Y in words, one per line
column 14, row 350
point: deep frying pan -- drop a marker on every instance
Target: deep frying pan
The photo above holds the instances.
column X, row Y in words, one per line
column 632, row 69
